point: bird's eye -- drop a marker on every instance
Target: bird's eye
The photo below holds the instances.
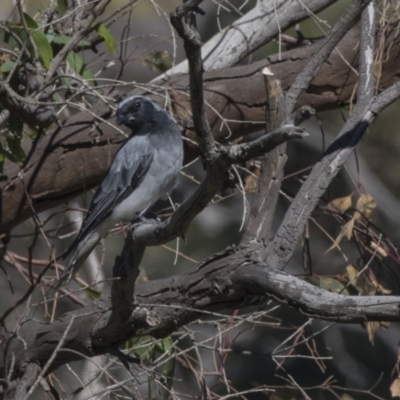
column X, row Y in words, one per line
column 137, row 105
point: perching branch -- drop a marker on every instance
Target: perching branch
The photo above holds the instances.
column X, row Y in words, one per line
column 176, row 226
column 326, row 46
column 184, row 21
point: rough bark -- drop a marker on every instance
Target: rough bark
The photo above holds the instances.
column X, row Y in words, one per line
column 233, row 278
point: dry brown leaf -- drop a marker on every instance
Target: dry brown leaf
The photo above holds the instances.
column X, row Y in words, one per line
column 365, row 206
column 372, row 328
column 395, row 387
column 346, row 231
column 346, row 396
column 361, row 282
column 341, row 204
column 379, row 289
column 352, row 272
column 348, row 228
column 367, row 283
column 377, row 69
column 251, row 180
column 380, row 250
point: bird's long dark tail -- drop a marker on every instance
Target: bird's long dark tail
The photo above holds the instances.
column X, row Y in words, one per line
column 78, row 257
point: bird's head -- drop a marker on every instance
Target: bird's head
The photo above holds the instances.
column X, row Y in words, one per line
column 134, row 111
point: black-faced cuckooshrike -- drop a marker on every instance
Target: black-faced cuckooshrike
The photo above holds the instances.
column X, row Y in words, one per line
column 143, row 170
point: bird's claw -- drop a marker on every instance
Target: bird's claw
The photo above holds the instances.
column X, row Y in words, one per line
column 145, row 218
column 148, row 217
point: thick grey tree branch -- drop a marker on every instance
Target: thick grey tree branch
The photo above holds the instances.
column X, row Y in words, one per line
column 314, row 301
column 184, row 21
column 31, row 372
column 344, row 24
column 281, row 248
column 229, row 279
column 366, row 81
column 272, row 165
column 257, row 27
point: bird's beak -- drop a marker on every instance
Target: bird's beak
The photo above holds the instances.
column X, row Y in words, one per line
column 120, row 119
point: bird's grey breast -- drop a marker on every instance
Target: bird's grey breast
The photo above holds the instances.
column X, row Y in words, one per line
column 168, row 158
column 159, row 180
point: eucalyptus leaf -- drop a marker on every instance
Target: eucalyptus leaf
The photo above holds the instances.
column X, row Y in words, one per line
column 76, row 62
column 158, row 61
column 30, row 22
column 7, row 66
column 109, row 40
column 62, row 7
column 63, row 39
column 41, row 41
column 43, row 47
column 168, row 368
column 14, row 144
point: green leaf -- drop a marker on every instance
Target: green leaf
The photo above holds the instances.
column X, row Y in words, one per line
column 42, row 43
column 142, row 346
column 109, row 40
column 92, row 293
column 17, row 31
column 43, row 47
column 62, row 39
column 50, row 37
column 62, row 6
column 332, row 285
column 76, row 63
column 168, row 368
column 30, row 21
column 15, row 125
column 147, row 349
column 158, row 61
column 313, row 280
column 14, row 144
column 7, row 66
column 165, row 345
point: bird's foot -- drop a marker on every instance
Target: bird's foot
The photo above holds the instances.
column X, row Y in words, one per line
column 147, row 217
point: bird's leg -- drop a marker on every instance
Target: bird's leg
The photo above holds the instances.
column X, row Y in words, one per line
column 148, row 217
column 145, row 217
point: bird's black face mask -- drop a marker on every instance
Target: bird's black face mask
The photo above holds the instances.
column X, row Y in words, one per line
column 132, row 111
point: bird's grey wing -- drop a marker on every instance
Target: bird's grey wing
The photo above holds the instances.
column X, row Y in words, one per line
column 124, row 175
